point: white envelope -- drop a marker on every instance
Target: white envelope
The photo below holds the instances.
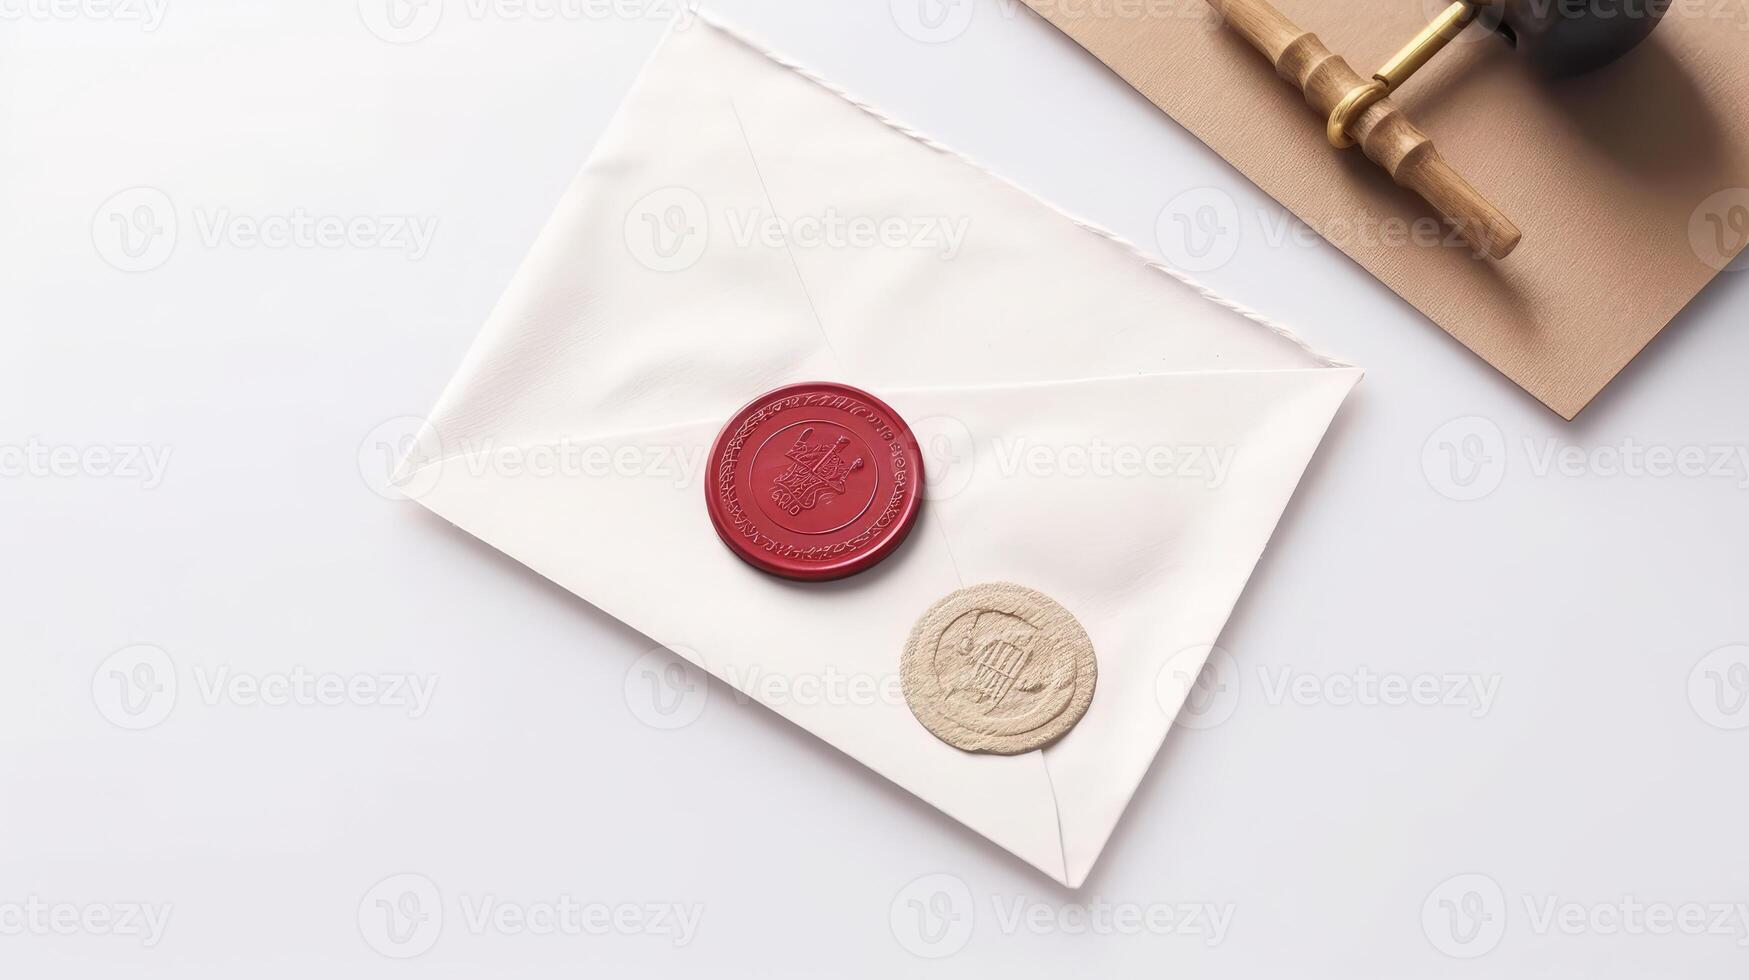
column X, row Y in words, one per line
column 1095, row 426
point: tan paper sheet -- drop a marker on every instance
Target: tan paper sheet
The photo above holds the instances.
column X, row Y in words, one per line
column 1615, row 177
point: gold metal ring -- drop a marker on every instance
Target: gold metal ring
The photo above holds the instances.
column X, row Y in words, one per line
column 1357, row 101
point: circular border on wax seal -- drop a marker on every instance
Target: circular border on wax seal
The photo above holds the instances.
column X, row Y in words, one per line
column 843, row 436
column 1049, row 660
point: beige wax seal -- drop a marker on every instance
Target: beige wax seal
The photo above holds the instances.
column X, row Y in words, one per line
column 998, row 668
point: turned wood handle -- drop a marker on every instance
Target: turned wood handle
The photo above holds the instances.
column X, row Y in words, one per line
column 1385, row 135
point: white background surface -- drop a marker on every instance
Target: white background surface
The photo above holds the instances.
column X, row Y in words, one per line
column 1607, row 769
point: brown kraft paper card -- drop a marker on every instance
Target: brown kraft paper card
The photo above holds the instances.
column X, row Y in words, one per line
column 1631, row 184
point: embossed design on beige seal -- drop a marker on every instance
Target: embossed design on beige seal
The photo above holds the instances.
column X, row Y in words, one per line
column 998, row 668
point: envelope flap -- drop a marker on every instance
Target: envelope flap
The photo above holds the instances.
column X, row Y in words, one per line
column 621, row 521
column 635, row 307
column 924, row 268
column 1142, row 505
column 741, row 226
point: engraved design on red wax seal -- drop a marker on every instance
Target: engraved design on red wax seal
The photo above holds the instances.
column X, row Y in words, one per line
column 814, row 481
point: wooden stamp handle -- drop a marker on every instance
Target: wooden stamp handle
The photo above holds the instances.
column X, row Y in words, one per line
column 1385, row 135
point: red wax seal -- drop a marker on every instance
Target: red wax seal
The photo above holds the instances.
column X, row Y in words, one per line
column 814, row 481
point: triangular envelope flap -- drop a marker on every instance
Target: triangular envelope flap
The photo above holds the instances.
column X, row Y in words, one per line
column 709, row 250
column 1142, row 504
column 621, row 521
column 964, row 278
column 635, row 303
column 1150, row 560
